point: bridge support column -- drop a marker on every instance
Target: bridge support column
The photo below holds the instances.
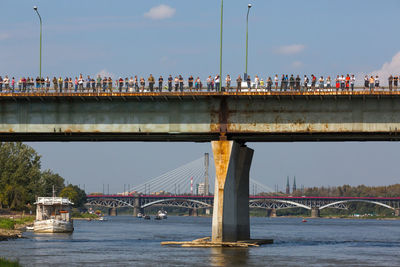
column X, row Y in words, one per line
column 193, row 212
column 231, row 220
column 315, row 213
column 112, row 212
column 397, row 212
column 273, row 213
column 208, row 211
column 136, row 207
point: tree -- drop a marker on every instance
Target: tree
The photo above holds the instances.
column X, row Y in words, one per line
column 75, row 194
column 19, row 175
column 49, row 179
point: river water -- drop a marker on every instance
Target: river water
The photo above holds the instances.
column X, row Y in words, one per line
column 128, row 241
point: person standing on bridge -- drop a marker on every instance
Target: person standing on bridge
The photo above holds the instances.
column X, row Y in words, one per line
column 176, row 81
column 371, row 84
column 151, row 82
column 60, row 83
column 170, row 83
column 305, row 83
column 390, row 80
column 197, row 84
column 228, row 82
column 395, row 82
column 160, row 83
column 131, row 84
column 209, row 81
column 181, row 83
column 239, row 84
column 98, row 83
column 269, row 84
column 366, row 82
column 110, row 82
column 376, row 81
column 136, row 81
column 347, row 82
column 142, row 84
column 55, row 84
column 190, row 82
column 217, row 83
column 248, row 81
column 88, row 80
column 352, row 82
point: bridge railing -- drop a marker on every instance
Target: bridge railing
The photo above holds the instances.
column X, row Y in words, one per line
column 124, row 90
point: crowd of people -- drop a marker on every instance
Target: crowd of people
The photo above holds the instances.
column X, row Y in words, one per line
column 179, row 84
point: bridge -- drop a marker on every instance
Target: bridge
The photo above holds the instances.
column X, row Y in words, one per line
column 227, row 120
column 269, row 203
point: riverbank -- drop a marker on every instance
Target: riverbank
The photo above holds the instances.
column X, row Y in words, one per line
column 9, row 263
column 11, row 227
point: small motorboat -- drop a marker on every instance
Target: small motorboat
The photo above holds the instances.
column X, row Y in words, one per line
column 162, row 214
column 140, row 215
column 157, row 217
column 103, row 219
column 146, row 217
column 304, row 220
column 29, row 228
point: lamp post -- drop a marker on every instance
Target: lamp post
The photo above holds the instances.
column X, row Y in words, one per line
column 247, row 39
column 220, row 47
column 40, row 53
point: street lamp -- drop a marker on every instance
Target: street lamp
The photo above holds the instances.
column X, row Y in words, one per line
column 220, row 47
column 40, row 53
column 247, row 38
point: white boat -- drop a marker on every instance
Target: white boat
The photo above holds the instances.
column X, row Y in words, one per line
column 103, row 219
column 162, row 214
column 53, row 215
column 139, row 215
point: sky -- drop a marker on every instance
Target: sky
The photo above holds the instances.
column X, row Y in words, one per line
column 162, row 37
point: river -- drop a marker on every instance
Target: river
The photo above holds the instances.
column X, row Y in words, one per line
column 128, row 241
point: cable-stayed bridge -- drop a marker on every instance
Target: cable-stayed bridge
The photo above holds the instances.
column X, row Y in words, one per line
column 188, row 187
column 190, row 178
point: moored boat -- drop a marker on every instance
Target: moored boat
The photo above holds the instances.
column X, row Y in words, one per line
column 53, row 215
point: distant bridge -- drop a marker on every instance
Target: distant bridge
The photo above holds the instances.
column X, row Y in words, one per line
column 272, row 203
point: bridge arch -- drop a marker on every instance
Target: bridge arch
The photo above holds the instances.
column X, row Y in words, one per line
column 178, row 202
column 355, row 200
column 290, row 204
column 109, row 203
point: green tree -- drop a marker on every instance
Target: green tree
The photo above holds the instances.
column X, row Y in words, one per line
column 49, row 179
column 19, row 175
column 75, row 194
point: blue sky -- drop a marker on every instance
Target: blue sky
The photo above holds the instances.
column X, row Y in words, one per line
column 124, row 38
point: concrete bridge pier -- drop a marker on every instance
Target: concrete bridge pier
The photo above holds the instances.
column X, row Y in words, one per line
column 208, row 211
column 136, row 207
column 271, row 212
column 231, row 220
column 315, row 212
column 193, row 212
column 397, row 212
column 112, row 212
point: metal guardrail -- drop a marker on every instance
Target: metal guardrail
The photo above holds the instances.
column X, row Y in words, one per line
column 124, row 91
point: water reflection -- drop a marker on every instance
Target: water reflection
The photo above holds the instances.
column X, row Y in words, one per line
column 229, row 256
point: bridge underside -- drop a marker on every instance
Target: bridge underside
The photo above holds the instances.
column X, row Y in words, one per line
column 200, row 118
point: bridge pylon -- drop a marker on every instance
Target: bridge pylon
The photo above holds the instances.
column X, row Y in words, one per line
column 315, row 212
column 112, row 212
column 231, row 220
column 397, row 212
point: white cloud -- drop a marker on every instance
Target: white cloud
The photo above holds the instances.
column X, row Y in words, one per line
column 290, row 49
column 160, row 12
column 297, row 64
column 388, row 68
